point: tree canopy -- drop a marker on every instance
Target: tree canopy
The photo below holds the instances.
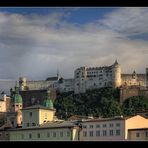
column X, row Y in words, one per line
column 103, row 102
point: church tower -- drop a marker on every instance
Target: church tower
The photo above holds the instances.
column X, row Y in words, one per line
column 48, row 102
column 116, row 74
column 15, row 116
column 17, row 100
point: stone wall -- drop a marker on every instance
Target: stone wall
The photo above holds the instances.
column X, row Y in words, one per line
column 130, row 91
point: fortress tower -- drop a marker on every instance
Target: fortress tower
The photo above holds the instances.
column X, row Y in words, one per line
column 147, row 77
column 116, row 75
column 80, row 75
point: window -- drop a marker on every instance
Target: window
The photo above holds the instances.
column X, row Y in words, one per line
column 61, row 134
column 38, row 135
column 118, row 125
column 84, row 126
column 68, row 134
column 97, row 126
column 91, row 133
column 146, row 134
column 30, row 114
column 30, row 136
column 48, row 134
column 91, row 126
column 17, row 105
column 117, row 132
column 12, row 123
column 111, row 132
column 137, row 134
column 104, row 125
column 111, row 124
column 27, row 124
column 84, row 134
column 22, row 136
column 97, row 133
column 54, row 134
column 46, row 115
column 104, row 133
column 33, row 124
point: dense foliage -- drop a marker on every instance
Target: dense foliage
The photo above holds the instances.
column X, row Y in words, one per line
column 102, row 102
column 135, row 104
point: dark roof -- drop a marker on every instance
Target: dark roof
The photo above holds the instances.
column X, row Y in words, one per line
column 52, row 79
column 138, row 75
column 37, row 107
column 146, row 128
column 108, row 119
column 50, row 125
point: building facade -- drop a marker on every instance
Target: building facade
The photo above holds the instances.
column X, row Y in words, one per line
column 37, row 115
column 51, row 132
column 97, row 77
column 138, row 134
column 40, row 124
column 111, row 128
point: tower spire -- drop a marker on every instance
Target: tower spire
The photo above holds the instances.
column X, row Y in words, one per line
column 58, row 73
column 116, row 62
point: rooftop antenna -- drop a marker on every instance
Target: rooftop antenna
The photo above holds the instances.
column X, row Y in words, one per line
column 57, row 72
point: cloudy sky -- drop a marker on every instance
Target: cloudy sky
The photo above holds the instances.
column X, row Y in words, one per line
column 35, row 42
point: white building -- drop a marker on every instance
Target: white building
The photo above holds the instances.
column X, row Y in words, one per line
column 97, row 77
column 111, row 128
column 64, row 85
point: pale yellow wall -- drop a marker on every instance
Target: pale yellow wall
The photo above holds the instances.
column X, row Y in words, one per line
column 75, row 134
column 135, row 122
column 18, row 106
column 2, row 106
column 17, row 135
column 50, row 115
column 19, row 119
column 107, row 128
column 38, row 116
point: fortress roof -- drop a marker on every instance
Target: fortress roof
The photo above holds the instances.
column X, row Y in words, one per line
column 52, row 79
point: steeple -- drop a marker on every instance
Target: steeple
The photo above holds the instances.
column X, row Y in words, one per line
column 16, row 88
column 58, row 73
column 134, row 74
column 17, row 97
column 48, row 103
column 116, row 63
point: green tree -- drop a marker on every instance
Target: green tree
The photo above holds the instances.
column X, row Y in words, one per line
column 135, row 104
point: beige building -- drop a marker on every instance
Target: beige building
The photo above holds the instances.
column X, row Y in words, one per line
column 133, row 79
column 138, row 134
column 37, row 115
column 52, row 131
column 4, row 103
column 40, row 124
column 111, row 128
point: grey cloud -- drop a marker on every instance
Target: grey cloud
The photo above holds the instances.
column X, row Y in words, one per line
column 129, row 21
column 35, row 47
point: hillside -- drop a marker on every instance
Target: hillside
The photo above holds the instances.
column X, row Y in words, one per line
column 102, row 102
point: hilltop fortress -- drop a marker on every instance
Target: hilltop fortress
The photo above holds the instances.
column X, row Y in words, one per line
column 88, row 78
